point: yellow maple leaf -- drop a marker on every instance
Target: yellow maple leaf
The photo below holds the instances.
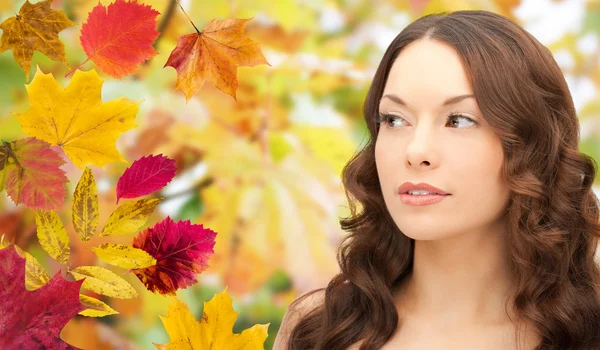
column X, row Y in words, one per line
column 36, row 27
column 76, row 119
column 213, row 331
column 213, row 55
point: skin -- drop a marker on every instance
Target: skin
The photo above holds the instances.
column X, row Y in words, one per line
column 455, row 296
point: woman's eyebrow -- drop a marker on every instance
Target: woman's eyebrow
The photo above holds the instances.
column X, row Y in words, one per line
column 448, row 101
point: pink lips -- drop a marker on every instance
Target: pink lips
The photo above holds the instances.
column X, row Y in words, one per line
column 409, row 186
column 420, row 200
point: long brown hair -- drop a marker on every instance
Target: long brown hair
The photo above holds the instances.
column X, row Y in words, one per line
column 553, row 212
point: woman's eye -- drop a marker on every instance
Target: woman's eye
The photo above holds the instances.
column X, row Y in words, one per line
column 457, row 117
column 453, row 118
column 388, row 118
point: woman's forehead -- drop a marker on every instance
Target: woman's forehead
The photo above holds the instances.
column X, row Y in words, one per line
column 427, row 68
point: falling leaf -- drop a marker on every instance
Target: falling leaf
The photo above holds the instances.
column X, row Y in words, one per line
column 181, row 249
column 129, row 217
column 94, row 307
column 76, row 119
column 35, row 28
column 213, row 331
column 105, row 282
column 146, row 175
column 35, row 275
column 33, row 320
column 30, row 172
column 124, row 256
column 119, row 37
column 52, row 235
column 85, row 206
column 213, row 55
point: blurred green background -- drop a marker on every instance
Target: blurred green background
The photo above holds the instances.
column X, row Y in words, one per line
column 264, row 172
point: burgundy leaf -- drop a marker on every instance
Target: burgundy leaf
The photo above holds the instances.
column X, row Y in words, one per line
column 33, row 320
column 181, row 250
column 146, row 175
column 30, row 171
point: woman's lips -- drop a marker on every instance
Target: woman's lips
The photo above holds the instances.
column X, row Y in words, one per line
column 421, row 200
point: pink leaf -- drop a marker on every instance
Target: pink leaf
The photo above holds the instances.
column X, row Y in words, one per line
column 181, row 250
column 33, row 320
column 31, row 174
column 146, row 175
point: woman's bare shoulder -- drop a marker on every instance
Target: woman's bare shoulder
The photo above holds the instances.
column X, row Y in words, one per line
column 297, row 309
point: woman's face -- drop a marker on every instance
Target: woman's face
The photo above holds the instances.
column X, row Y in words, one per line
column 419, row 142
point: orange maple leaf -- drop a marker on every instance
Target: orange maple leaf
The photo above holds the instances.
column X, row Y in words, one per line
column 36, row 27
column 213, row 55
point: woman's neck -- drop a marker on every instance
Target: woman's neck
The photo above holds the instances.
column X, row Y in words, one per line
column 465, row 279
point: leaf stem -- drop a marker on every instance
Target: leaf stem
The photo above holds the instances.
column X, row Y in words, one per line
column 188, row 17
column 11, row 153
column 72, row 71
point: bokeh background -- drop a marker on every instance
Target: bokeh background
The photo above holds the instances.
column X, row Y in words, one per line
column 264, row 172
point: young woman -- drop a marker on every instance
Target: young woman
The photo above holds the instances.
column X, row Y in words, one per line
column 473, row 221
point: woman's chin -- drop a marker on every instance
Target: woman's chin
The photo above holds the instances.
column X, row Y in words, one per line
column 426, row 234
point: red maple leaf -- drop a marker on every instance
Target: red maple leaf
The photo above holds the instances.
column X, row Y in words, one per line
column 181, row 250
column 119, row 38
column 33, row 320
column 30, row 172
column 145, row 175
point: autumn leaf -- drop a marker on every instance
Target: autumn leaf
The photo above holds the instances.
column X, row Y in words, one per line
column 33, row 320
column 52, row 235
column 76, row 119
column 146, row 175
column 85, row 211
column 103, row 281
column 213, row 55
column 95, row 307
column 124, row 256
column 30, row 171
column 119, row 37
column 35, row 275
column 129, row 217
column 181, row 250
column 213, row 331
column 35, row 28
